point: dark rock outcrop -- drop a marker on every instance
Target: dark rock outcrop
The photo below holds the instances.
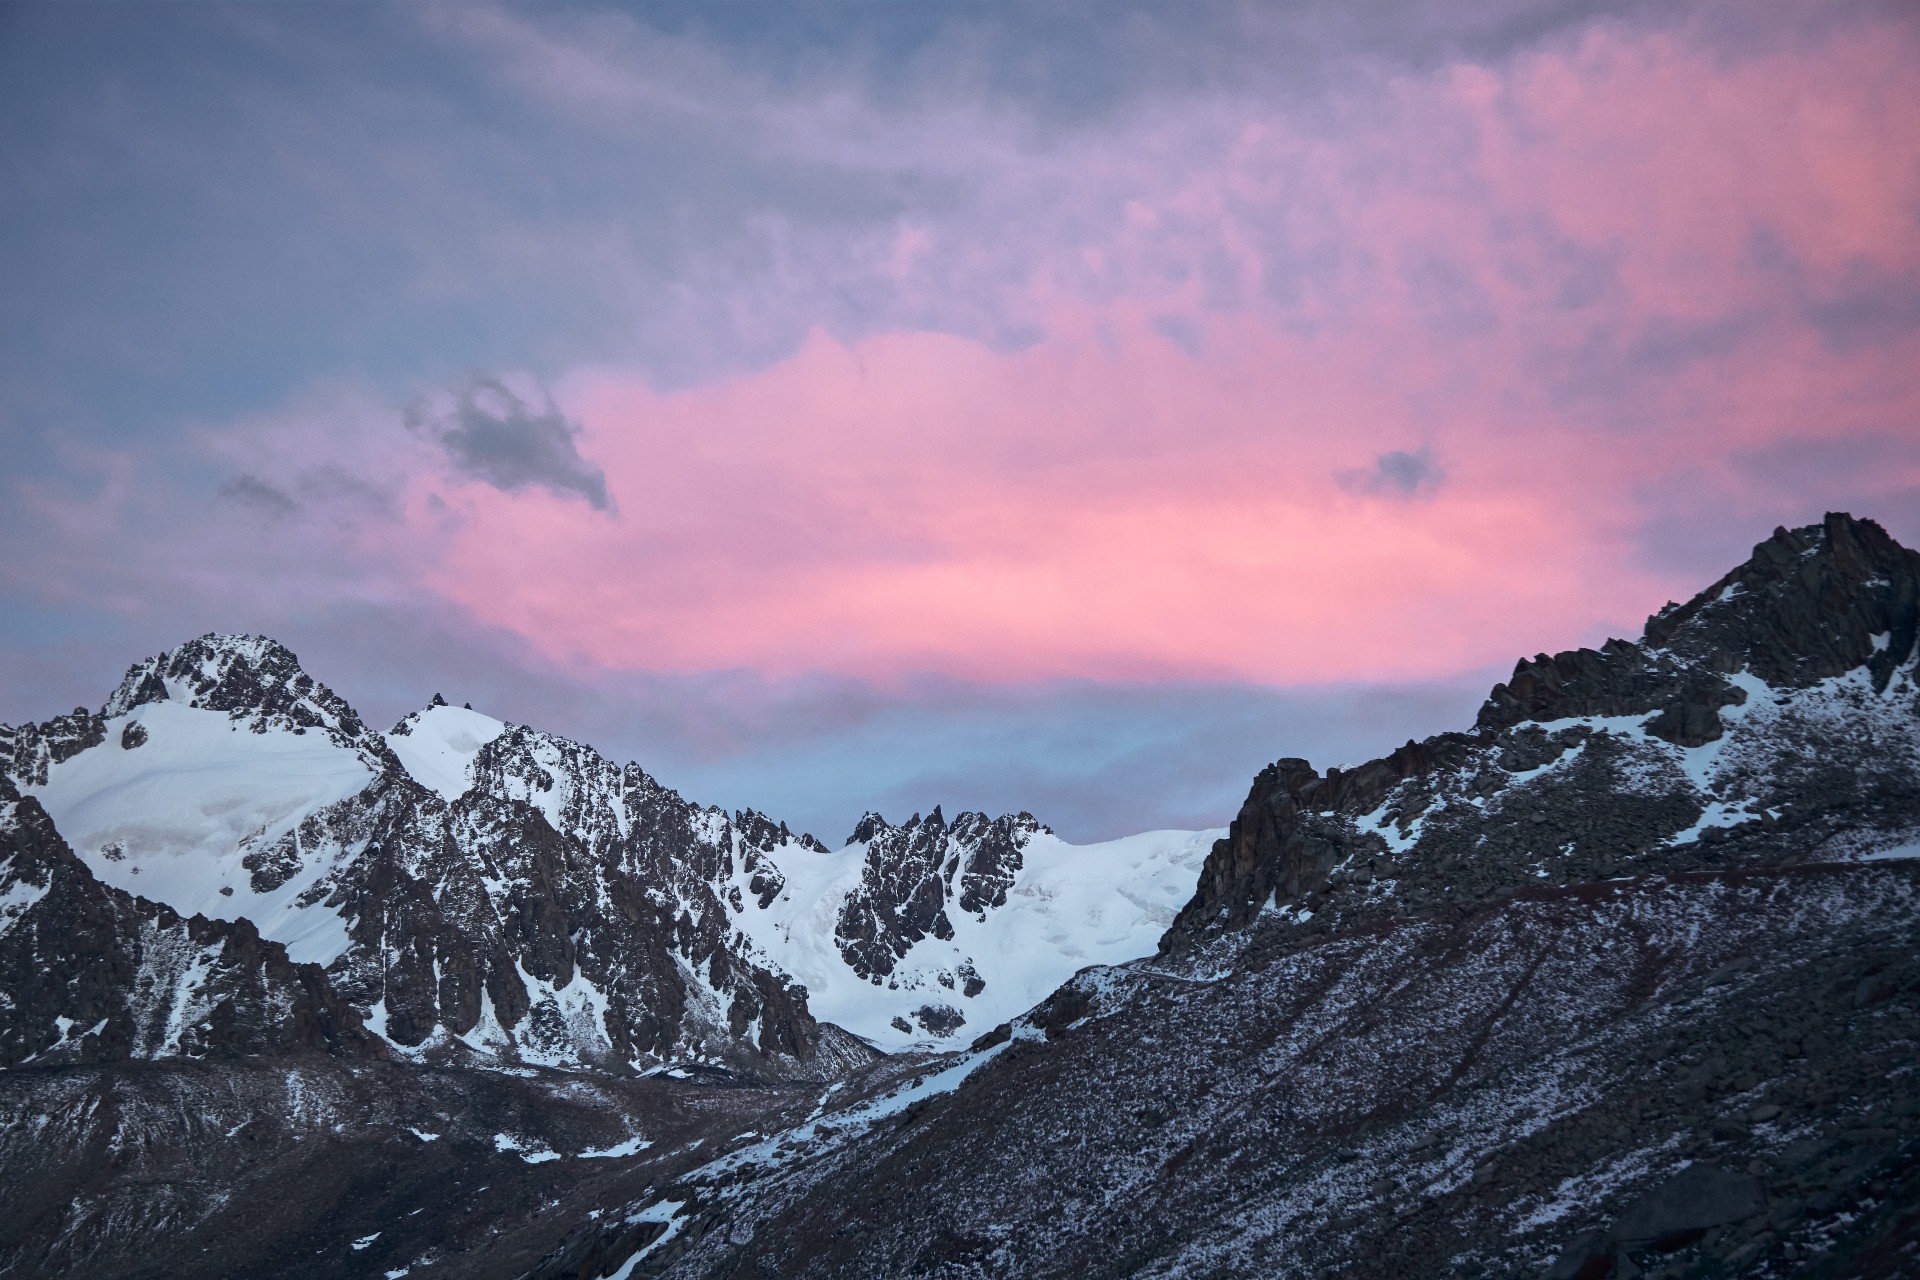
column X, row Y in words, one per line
column 91, row 974
column 914, row 872
column 26, row 751
column 1812, row 603
column 1460, row 818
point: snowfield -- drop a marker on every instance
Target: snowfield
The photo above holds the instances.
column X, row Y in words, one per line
column 172, row 818
column 1070, row 906
column 439, row 745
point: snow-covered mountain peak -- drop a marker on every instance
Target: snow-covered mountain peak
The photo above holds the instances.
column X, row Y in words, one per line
column 196, row 809
column 254, row 680
column 437, row 745
column 204, row 783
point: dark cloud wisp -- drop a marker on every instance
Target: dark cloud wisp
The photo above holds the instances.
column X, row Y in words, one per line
column 261, row 496
column 494, row 436
column 1399, row 473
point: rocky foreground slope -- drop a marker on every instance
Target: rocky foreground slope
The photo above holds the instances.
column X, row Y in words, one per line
column 1623, row 981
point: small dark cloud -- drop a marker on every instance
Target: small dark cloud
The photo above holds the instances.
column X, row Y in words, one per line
column 493, row 435
column 1396, row 474
column 260, row 496
column 325, row 492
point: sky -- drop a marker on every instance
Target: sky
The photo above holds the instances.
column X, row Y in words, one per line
column 1067, row 407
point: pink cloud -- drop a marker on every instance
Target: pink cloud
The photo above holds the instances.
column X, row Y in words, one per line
column 918, row 502
column 1543, row 273
column 1104, row 503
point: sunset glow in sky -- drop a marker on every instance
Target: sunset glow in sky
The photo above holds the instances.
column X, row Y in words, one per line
column 1057, row 407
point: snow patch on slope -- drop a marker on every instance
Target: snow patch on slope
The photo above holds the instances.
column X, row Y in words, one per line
column 18, row 896
column 171, row 819
column 437, row 746
column 1070, row 906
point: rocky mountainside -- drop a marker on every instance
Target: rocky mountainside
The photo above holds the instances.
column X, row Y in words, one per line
column 561, row 910
column 487, row 893
column 1621, row 981
column 1769, row 720
column 91, row 974
column 1532, row 1090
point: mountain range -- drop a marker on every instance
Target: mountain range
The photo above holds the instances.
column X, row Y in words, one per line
column 1619, row 980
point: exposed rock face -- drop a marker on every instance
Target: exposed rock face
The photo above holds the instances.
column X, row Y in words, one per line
column 575, row 905
column 90, row 974
column 1811, row 604
column 916, row 871
column 1712, row 743
column 26, row 751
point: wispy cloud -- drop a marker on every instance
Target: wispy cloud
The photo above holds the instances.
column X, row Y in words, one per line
column 490, row 433
column 262, row 496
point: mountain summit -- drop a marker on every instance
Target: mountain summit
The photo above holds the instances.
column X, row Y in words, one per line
column 1711, row 743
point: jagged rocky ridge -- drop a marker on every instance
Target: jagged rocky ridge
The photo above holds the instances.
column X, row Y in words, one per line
column 1771, row 719
column 916, row 872
column 489, row 893
column 1589, row 991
